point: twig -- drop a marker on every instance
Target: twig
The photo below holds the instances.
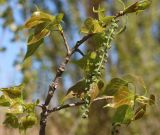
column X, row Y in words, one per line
column 78, row 103
column 74, row 49
column 65, row 106
column 80, row 52
column 65, row 42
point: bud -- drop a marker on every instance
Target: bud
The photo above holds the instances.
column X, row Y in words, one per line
column 138, row 6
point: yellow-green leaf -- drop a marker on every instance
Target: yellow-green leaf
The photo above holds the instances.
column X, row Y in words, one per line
column 37, row 37
column 124, row 115
column 77, row 90
column 91, row 26
column 4, row 101
column 32, row 48
column 138, row 6
column 122, row 97
column 27, row 121
column 13, row 92
column 114, row 85
column 16, row 108
column 37, row 18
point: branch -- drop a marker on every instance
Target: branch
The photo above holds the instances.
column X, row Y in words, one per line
column 65, row 42
column 60, row 107
column 80, row 42
column 54, row 84
column 60, row 70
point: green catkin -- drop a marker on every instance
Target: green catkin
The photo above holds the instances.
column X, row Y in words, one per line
column 97, row 64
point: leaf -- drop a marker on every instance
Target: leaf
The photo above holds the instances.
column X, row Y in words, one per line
column 82, row 63
column 77, row 90
column 59, row 18
column 105, row 20
column 16, row 108
column 28, row 121
column 13, row 92
column 91, row 26
column 123, row 115
column 37, row 37
column 37, row 18
column 137, row 81
column 138, row 6
column 122, row 97
column 4, row 101
column 32, row 48
column 114, row 85
column 11, row 121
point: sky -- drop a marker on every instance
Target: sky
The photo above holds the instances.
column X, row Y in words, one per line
column 9, row 74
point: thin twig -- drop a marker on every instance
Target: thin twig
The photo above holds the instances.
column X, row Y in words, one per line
column 78, row 103
column 80, row 52
column 65, row 42
column 65, row 106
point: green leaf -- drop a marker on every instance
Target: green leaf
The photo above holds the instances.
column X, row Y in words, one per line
column 138, row 6
column 91, row 26
column 30, row 107
column 4, row 101
column 59, row 18
column 37, row 18
column 37, row 37
column 104, row 20
column 114, row 85
column 32, row 48
column 77, row 90
column 28, row 121
column 13, row 92
column 11, row 120
column 16, row 108
column 122, row 97
column 124, row 115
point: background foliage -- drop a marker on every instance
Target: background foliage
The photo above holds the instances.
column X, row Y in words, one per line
column 136, row 51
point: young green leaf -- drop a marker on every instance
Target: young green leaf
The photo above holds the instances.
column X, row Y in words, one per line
column 37, row 18
column 114, row 85
column 78, row 90
column 104, row 20
column 4, row 101
column 122, row 97
column 13, row 92
column 11, row 120
column 123, row 115
column 37, row 37
column 32, row 48
column 138, row 6
column 16, row 108
column 27, row 121
column 91, row 26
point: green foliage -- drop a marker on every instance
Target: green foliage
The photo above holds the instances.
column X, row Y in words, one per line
column 78, row 90
column 128, row 104
column 138, row 6
column 19, row 114
column 125, row 99
column 41, row 24
column 123, row 114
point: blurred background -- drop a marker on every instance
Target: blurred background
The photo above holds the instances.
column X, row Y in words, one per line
column 135, row 51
